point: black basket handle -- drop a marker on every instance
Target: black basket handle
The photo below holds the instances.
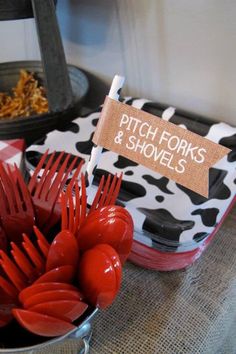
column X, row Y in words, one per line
column 16, row 9
column 58, row 85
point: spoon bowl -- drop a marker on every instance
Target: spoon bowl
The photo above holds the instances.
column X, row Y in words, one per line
column 63, row 251
column 67, row 310
column 63, row 274
column 42, row 287
column 52, row 295
column 109, row 227
column 42, row 325
column 97, row 276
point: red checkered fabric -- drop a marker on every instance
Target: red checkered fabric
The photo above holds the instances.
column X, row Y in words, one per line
column 11, row 151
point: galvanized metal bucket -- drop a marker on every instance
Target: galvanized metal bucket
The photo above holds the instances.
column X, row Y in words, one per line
column 83, row 332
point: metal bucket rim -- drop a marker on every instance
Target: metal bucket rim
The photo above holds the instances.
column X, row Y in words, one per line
column 51, row 341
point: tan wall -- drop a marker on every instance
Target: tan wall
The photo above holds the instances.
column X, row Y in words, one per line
column 180, row 52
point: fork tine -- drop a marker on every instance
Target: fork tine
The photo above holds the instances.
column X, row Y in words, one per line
column 76, row 173
column 13, row 273
column 42, row 248
column 71, row 209
column 57, row 180
column 10, row 172
column 64, row 216
column 83, row 200
column 116, row 191
column 111, row 190
column 77, row 209
column 8, row 287
column 98, row 195
column 26, row 197
column 33, row 254
column 40, row 237
column 56, row 188
column 33, row 180
column 51, row 173
column 104, row 193
column 3, row 202
column 60, row 181
column 67, row 209
column 38, row 187
column 19, row 206
column 6, row 182
column 23, row 263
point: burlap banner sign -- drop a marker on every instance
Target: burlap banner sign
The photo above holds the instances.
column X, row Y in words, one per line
column 172, row 151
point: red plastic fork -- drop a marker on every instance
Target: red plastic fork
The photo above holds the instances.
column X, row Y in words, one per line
column 23, row 262
column 56, row 215
column 16, row 208
column 3, row 239
column 74, row 206
column 8, row 288
column 45, row 193
column 27, row 266
column 42, row 242
column 17, row 278
column 107, row 193
column 33, row 254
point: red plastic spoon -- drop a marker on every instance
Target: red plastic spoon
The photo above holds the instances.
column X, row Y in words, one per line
column 62, row 274
column 63, row 251
column 110, row 227
column 42, row 325
column 52, row 295
column 110, row 252
column 67, row 310
column 41, row 287
column 97, row 276
column 112, row 210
